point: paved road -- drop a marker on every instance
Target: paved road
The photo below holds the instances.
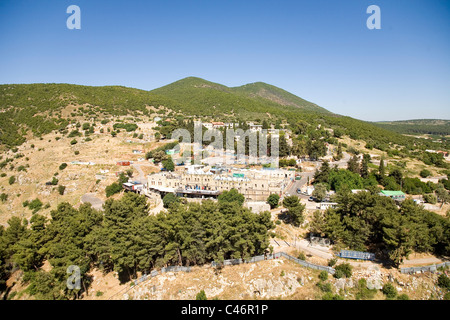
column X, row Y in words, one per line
column 341, row 163
column 300, row 183
column 141, row 177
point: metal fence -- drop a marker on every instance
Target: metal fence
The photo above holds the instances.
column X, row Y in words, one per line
column 154, row 273
column 274, row 256
column 229, row 262
column 359, row 255
column 308, row 264
column 432, row 268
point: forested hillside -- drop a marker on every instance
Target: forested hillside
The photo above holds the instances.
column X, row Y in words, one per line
column 126, row 239
column 424, row 126
column 38, row 109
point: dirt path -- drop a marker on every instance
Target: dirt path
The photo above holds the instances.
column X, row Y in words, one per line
column 421, row 261
column 141, row 178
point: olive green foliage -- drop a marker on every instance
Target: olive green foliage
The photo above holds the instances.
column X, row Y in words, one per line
column 389, row 291
column 364, row 293
column 343, row 270
column 324, row 287
column 126, row 239
column 34, row 205
column 170, row 199
column 430, row 198
column 443, row 281
column 168, row 164
column 112, row 189
column 231, row 196
column 160, row 152
column 323, row 275
column 331, row 296
column 38, row 107
column 116, row 187
column 54, row 181
column 301, row 256
column 425, row 173
column 295, row 210
column 364, row 220
column 129, row 127
column 198, row 96
column 418, row 127
column 201, row 295
column 320, row 191
column 61, row 189
column 273, row 200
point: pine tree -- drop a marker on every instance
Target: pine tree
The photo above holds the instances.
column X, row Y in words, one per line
column 365, row 166
column 353, row 164
column 381, row 171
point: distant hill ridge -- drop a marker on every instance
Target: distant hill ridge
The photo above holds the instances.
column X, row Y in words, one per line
column 37, row 109
column 418, row 126
column 256, row 97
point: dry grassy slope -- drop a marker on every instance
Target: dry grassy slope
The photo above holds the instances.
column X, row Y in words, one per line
column 45, row 159
column 413, row 166
column 273, row 279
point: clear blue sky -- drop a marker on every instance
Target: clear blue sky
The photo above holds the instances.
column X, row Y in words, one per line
column 319, row 50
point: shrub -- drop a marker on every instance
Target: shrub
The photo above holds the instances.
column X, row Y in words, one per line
column 363, row 293
column 113, row 189
column 389, row 291
column 74, row 141
column 54, row 181
column 332, row 262
column 330, row 296
column 77, row 152
column 35, row 205
column 324, row 287
column 443, row 282
column 3, row 197
column 273, row 200
column 430, row 198
column 343, row 270
column 425, row 173
column 323, row 275
column 201, row 295
column 11, row 180
column 301, row 256
column 403, row 296
column 170, row 199
column 61, row 189
column 63, row 166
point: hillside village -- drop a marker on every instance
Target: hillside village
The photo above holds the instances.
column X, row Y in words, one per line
column 94, row 160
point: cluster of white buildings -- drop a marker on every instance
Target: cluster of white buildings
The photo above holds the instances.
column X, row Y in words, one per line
column 199, row 181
